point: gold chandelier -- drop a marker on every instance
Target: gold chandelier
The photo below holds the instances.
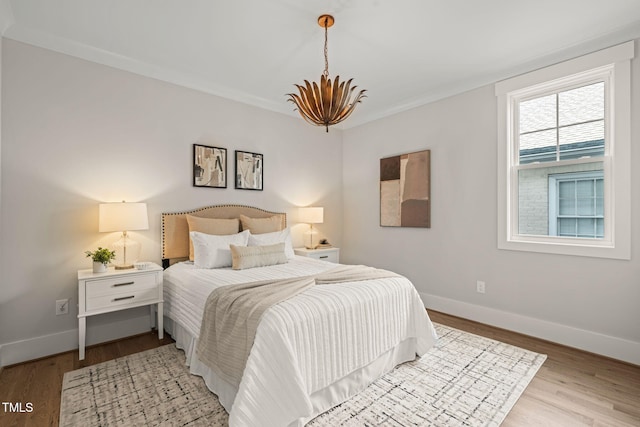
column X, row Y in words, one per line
column 326, row 104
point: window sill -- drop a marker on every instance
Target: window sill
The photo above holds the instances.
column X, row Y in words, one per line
column 573, row 247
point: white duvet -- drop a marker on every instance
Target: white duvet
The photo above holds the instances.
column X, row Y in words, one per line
column 310, row 352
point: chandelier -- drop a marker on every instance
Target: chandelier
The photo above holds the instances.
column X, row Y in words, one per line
column 327, row 103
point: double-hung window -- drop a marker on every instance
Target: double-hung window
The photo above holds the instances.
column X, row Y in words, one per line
column 563, row 157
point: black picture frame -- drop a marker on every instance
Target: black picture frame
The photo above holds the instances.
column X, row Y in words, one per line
column 209, row 166
column 249, row 171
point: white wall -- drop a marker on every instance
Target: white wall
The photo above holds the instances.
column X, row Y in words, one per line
column 1, row 42
column 584, row 302
column 6, row 19
column 76, row 133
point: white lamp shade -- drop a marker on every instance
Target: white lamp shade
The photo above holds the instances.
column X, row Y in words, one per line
column 311, row 215
column 123, row 217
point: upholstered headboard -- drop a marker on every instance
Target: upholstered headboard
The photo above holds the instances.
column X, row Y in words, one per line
column 175, row 230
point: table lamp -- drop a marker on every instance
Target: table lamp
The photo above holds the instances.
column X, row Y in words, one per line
column 311, row 215
column 124, row 217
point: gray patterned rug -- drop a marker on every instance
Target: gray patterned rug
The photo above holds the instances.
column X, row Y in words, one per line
column 466, row 380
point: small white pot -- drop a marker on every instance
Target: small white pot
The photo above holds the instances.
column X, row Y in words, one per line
column 99, row 267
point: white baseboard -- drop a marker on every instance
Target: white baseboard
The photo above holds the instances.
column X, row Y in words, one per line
column 34, row 348
column 594, row 342
column 617, row 348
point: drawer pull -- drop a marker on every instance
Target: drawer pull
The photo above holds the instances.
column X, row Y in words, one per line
column 122, row 284
column 123, row 298
column 324, row 256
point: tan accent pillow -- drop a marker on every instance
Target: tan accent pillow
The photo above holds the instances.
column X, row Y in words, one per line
column 257, row 256
column 261, row 225
column 215, row 226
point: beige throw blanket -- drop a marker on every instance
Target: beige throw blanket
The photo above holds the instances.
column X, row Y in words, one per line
column 232, row 314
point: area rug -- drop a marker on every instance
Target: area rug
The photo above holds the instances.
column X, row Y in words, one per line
column 465, row 380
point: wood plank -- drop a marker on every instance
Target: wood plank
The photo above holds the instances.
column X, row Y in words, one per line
column 40, row 381
column 572, row 388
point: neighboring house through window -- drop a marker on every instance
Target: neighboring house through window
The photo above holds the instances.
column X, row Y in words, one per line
column 576, row 205
column 563, row 157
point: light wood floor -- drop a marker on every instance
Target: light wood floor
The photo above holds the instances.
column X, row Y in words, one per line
column 40, row 381
column 572, row 388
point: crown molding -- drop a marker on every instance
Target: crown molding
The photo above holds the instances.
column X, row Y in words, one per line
column 14, row 31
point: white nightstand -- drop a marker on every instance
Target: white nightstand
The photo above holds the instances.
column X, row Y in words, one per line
column 328, row 254
column 116, row 290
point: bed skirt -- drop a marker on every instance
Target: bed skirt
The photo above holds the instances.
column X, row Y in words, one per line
column 321, row 400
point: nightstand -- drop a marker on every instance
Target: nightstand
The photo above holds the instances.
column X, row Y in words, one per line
column 328, row 254
column 115, row 290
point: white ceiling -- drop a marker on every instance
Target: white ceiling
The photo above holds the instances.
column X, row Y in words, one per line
column 405, row 52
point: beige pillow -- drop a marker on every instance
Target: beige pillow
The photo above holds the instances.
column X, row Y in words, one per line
column 215, row 226
column 257, row 256
column 261, row 225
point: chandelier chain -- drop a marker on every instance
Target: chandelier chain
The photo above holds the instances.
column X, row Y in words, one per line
column 326, row 49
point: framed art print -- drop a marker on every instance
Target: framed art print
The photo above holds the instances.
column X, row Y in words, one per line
column 209, row 166
column 405, row 190
column 249, row 168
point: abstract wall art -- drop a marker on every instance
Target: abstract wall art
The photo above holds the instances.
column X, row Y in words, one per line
column 405, row 190
column 209, row 166
column 249, row 167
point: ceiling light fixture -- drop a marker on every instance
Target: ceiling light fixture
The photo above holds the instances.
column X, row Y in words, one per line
column 327, row 103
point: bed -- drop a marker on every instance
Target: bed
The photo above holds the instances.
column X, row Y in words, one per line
column 312, row 351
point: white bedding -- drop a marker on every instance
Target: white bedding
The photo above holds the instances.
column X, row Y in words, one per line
column 310, row 352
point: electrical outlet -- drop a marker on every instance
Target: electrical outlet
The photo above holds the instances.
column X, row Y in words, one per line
column 62, row 306
column 480, row 287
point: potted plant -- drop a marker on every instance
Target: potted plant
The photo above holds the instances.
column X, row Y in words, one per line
column 101, row 257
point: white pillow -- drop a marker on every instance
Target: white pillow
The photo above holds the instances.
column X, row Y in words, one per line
column 211, row 251
column 283, row 236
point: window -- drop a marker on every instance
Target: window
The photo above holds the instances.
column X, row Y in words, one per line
column 564, row 125
column 576, row 205
column 563, row 173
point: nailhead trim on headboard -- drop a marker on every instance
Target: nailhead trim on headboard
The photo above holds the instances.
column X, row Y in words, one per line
column 250, row 209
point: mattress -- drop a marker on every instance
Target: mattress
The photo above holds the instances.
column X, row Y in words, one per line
column 311, row 352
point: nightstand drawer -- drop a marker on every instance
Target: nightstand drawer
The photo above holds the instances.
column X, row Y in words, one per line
column 324, row 254
column 118, row 285
column 129, row 297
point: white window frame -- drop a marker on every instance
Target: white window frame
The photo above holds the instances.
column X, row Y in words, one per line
column 613, row 64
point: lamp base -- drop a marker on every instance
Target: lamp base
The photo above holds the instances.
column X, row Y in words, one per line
column 127, row 252
column 310, row 233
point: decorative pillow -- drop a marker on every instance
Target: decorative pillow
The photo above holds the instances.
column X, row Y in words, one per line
column 257, row 256
column 213, row 251
column 283, row 236
column 261, row 225
column 217, row 226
